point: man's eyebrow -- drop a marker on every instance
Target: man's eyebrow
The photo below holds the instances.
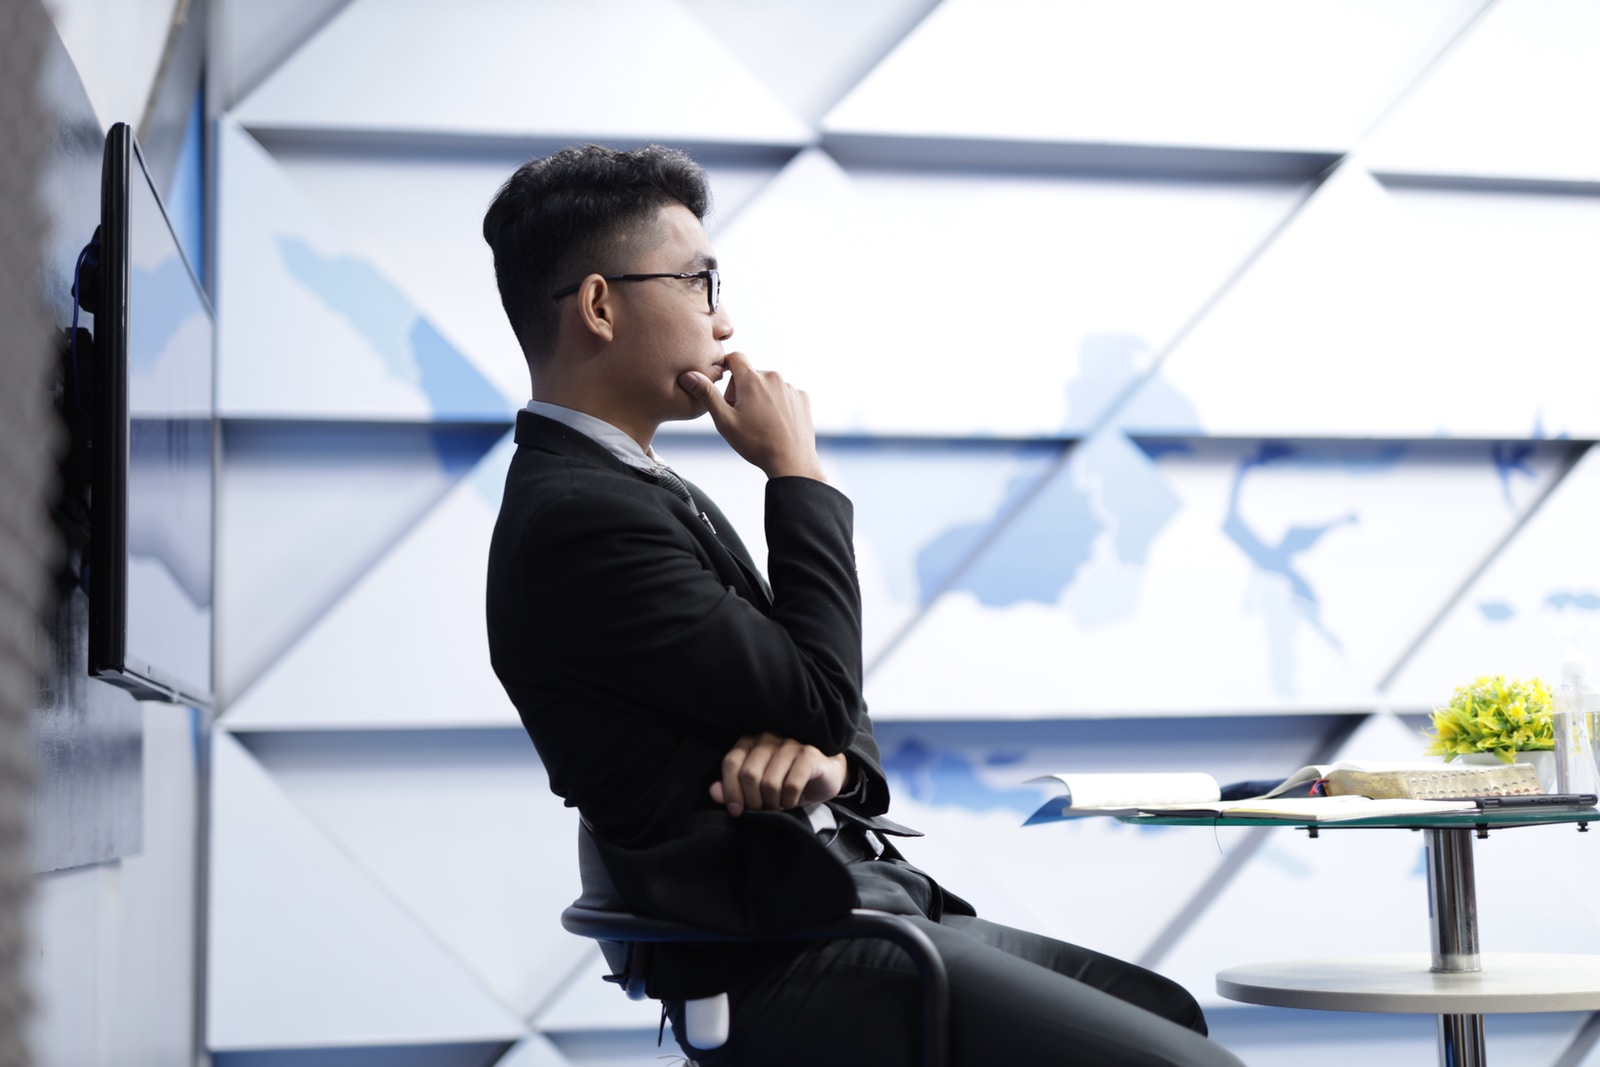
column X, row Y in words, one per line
column 704, row 261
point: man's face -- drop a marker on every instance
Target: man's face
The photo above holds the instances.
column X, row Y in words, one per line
column 664, row 325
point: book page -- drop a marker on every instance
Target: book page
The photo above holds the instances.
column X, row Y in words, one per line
column 1123, row 792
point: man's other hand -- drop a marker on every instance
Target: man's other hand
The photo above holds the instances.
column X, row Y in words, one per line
column 764, row 418
column 766, row 772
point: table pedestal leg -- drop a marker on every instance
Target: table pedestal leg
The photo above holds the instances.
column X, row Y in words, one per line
column 1453, row 908
column 1461, row 1041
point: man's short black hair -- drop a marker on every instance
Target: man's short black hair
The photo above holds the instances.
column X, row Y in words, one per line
column 567, row 215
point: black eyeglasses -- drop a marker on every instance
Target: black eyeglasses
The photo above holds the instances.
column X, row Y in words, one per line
column 709, row 279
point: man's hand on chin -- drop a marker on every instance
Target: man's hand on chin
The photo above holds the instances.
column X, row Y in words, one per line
column 764, row 418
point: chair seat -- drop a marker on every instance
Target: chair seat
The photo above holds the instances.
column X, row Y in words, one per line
column 626, row 928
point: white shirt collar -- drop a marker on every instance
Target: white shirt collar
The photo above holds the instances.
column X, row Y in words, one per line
column 601, row 433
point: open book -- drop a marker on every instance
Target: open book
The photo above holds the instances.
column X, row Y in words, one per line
column 1363, row 791
column 1416, row 781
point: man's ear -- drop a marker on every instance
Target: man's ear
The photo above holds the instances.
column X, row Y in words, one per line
column 596, row 300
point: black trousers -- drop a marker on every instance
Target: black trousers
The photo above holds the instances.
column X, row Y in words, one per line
column 1016, row 998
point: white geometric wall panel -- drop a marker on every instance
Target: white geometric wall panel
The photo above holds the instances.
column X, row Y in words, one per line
column 1402, row 313
column 1515, row 98
column 313, row 329
column 117, row 48
column 809, row 54
column 462, row 829
column 406, row 645
column 284, row 508
column 1538, row 598
column 535, row 1050
column 439, row 258
column 254, row 38
column 907, row 302
column 611, row 70
column 1204, row 578
column 1260, row 74
column 590, row 1003
column 307, row 949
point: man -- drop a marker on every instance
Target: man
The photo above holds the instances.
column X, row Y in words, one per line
column 710, row 729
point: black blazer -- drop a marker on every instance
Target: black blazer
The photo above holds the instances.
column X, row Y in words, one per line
column 638, row 642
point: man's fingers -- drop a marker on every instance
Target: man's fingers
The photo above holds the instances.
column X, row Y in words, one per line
column 779, row 792
column 700, row 387
column 772, row 773
column 762, row 764
column 728, row 792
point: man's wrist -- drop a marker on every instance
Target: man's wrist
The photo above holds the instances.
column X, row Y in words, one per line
column 855, row 782
column 797, row 470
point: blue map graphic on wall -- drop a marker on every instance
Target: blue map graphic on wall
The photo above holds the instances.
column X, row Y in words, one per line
column 1561, row 600
column 1510, row 460
column 1043, row 533
column 1047, row 541
column 1108, row 369
column 948, row 778
column 1279, row 557
column 413, row 351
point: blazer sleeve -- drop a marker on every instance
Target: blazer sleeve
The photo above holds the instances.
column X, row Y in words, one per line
column 625, row 610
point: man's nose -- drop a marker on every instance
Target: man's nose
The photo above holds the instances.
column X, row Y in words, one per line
column 722, row 323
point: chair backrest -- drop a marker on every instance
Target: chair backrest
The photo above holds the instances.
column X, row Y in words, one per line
column 600, row 894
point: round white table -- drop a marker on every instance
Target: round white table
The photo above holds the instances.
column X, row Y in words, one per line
column 1457, row 983
column 1507, row 982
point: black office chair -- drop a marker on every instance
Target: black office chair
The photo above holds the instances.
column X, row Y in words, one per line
column 625, row 938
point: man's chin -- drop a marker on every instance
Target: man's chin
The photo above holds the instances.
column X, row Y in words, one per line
column 694, row 410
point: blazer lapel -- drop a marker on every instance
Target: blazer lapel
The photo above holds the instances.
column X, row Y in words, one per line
column 729, row 538
column 539, row 432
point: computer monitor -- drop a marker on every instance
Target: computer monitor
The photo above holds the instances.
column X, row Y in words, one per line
column 153, row 445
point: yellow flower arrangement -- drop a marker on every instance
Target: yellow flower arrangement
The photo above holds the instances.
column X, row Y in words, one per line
column 1494, row 715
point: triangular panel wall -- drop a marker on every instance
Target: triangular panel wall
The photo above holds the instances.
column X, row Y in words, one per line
column 462, row 829
column 809, row 54
column 306, row 949
column 971, row 304
column 406, row 646
column 1537, row 599
column 1227, row 73
column 1508, row 101
column 629, row 70
column 313, row 329
column 1399, row 313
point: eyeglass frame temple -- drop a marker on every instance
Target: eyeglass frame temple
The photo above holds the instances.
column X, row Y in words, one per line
column 712, row 275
